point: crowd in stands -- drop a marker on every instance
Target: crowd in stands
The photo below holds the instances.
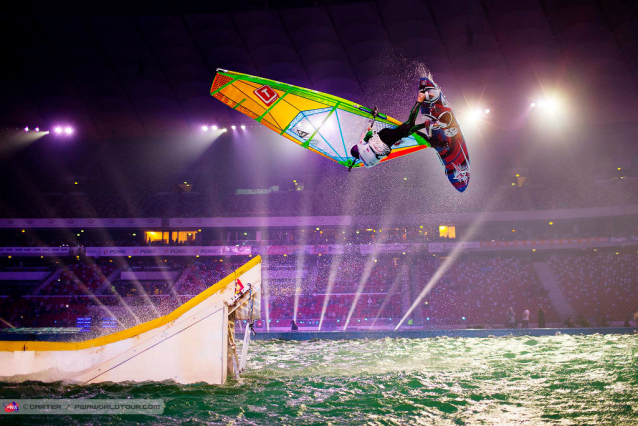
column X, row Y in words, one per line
column 79, row 278
column 334, row 235
column 42, row 311
column 473, row 291
column 319, row 199
column 481, row 291
column 476, row 290
column 600, row 286
column 199, row 277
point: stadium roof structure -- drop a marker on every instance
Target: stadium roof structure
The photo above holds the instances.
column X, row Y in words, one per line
column 147, row 71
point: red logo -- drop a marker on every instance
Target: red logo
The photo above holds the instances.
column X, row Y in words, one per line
column 11, row 408
column 238, row 287
column 266, row 95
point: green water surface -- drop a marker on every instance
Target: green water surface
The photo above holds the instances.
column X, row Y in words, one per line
column 508, row 380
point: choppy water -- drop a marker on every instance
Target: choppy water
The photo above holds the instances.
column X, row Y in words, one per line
column 510, row 380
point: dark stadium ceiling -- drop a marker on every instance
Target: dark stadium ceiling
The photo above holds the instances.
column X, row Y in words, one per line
column 145, row 68
column 151, row 7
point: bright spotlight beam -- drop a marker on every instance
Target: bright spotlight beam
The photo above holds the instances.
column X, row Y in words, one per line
column 367, row 270
column 451, row 259
column 266, row 290
column 393, row 290
column 334, row 271
column 299, row 266
column 355, row 185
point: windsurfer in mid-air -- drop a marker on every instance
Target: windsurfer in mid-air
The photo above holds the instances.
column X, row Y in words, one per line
column 374, row 147
column 327, row 124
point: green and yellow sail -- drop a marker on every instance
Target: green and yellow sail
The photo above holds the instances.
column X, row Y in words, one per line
column 325, row 124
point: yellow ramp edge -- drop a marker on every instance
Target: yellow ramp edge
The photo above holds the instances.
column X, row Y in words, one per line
column 187, row 345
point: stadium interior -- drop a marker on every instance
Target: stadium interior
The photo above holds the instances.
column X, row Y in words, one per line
column 113, row 153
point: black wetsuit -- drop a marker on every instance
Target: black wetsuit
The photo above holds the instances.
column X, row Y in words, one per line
column 391, row 136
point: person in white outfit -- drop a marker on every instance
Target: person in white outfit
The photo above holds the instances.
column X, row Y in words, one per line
column 525, row 319
column 510, row 317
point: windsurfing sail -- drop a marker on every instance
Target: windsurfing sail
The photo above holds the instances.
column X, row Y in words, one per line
column 325, row 124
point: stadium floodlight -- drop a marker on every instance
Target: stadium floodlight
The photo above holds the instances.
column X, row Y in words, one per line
column 475, row 114
column 68, row 130
column 58, row 130
column 205, row 128
column 233, row 127
column 552, row 106
column 243, row 127
column 214, row 127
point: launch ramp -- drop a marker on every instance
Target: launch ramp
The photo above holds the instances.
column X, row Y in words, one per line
column 194, row 343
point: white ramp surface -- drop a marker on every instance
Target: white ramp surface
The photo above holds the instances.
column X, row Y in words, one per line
column 188, row 345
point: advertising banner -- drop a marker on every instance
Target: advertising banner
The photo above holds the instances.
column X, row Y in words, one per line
column 439, row 247
column 34, row 251
column 389, row 248
column 239, row 222
column 81, row 223
column 545, row 242
column 169, row 251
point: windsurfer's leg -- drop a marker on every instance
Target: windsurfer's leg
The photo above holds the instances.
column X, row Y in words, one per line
column 414, row 112
column 435, row 137
column 418, row 127
column 392, row 136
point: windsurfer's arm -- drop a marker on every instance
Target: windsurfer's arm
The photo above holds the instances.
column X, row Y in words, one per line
column 414, row 112
column 368, row 135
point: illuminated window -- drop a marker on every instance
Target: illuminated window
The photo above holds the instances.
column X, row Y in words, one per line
column 169, row 236
column 153, row 236
column 185, row 236
column 447, row 231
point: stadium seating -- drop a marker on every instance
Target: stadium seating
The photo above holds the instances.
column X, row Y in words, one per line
column 599, row 285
